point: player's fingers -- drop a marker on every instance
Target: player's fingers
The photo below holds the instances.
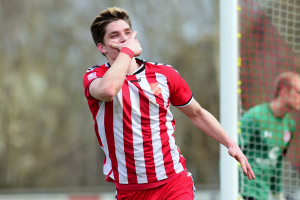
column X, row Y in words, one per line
column 113, row 45
column 249, row 176
column 133, row 35
column 244, row 167
column 250, row 171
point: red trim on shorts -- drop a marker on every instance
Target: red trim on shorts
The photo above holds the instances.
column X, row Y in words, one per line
column 143, row 186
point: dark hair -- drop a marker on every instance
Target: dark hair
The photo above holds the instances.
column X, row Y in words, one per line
column 98, row 27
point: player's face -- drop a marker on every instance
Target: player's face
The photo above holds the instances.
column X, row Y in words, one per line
column 294, row 94
column 116, row 32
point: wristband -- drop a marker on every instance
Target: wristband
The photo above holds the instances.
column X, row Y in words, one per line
column 127, row 51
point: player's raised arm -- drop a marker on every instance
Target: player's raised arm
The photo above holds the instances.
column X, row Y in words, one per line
column 126, row 47
column 209, row 125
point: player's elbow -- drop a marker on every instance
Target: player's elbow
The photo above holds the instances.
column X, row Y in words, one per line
column 107, row 99
column 193, row 111
column 103, row 94
column 103, row 91
column 196, row 113
column 107, row 95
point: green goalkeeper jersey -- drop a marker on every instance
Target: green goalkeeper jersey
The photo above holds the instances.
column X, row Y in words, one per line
column 263, row 138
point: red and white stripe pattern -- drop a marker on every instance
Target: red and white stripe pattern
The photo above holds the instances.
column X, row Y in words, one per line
column 135, row 129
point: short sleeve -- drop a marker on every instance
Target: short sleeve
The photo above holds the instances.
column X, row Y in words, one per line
column 89, row 76
column 181, row 95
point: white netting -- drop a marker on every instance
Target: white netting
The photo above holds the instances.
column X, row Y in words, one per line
column 269, row 45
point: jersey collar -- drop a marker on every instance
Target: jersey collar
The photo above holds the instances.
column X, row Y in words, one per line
column 138, row 70
column 141, row 68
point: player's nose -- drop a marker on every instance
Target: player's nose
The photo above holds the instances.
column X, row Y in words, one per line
column 123, row 37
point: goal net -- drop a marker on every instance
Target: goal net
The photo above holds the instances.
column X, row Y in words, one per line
column 269, row 44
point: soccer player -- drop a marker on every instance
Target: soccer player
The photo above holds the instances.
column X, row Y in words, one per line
column 266, row 131
column 130, row 102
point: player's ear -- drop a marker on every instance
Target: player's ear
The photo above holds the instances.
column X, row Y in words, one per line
column 101, row 48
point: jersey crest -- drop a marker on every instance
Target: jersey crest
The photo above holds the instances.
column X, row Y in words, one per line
column 155, row 89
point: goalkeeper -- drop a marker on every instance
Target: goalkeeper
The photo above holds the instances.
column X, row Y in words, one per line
column 266, row 130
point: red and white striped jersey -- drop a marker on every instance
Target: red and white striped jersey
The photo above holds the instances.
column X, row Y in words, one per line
column 135, row 130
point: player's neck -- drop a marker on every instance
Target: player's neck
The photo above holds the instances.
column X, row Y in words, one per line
column 133, row 66
column 278, row 107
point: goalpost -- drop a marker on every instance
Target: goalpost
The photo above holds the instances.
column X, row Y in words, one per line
column 228, row 95
column 259, row 39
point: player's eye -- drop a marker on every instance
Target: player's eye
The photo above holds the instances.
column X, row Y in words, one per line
column 113, row 36
column 128, row 32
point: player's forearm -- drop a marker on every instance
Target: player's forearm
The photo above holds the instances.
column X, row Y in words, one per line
column 113, row 79
column 210, row 125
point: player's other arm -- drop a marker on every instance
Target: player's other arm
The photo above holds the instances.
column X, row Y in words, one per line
column 109, row 85
column 209, row 125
